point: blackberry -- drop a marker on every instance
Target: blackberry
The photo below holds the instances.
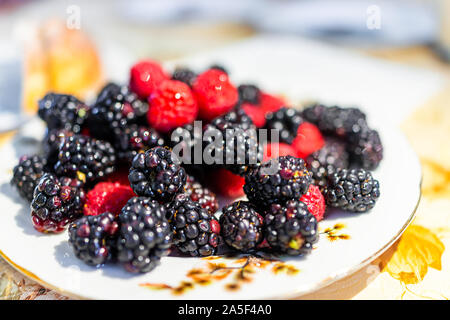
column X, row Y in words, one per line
column 363, row 144
column 290, row 228
column 27, row 173
column 62, row 111
column 240, row 152
column 185, row 75
column 195, row 231
column 56, row 202
column 51, row 142
column 325, row 161
column 219, row 67
column 286, row 121
column 249, row 93
column 277, row 181
column 367, row 151
column 93, row 238
column 115, row 109
column 241, row 226
column 136, row 139
column 352, row 190
column 155, row 174
column 85, row 158
column 205, row 197
column 187, row 139
column 145, row 235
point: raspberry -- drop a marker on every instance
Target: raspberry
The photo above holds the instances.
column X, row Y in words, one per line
column 308, row 140
column 120, row 176
column 145, row 76
column 275, row 150
column 219, row 67
column 315, row 202
column 215, row 94
column 270, row 103
column 171, row 105
column 227, row 184
column 241, row 226
column 107, row 197
column 255, row 113
column 93, row 238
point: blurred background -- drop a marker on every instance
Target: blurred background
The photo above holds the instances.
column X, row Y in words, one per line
column 74, row 46
column 63, row 45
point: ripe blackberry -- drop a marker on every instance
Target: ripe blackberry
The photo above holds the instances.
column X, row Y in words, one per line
column 241, row 150
column 290, row 228
column 115, row 109
column 145, row 235
column 136, row 139
column 195, row 231
column 51, row 142
column 277, row 181
column 205, row 197
column 185, row 75
column 249, row 93
column 186, row 139
column 241, row 226
column 286, row 121
column 156, row 174
column 363, row 143
column 62, row 111
column 93, row 238
column 27, row 173
column 352, row 190
column 325, row 161
column 85, row 158
column 56, row 202
column 367, row 151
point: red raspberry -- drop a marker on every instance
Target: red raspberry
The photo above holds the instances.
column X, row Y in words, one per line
column 107, row 197
column 284, row 149
column 255, row 113
column 270, row 103
column 227, row 184
column 308, row 140
column 145, row 76
column 315, row 202
column 119, row 176
column 215, row 94
column 171, row 105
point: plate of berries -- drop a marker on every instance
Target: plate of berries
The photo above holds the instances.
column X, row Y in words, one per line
column 182, row 184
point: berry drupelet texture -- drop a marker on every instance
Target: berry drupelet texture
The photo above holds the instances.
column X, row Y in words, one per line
column 136, row 139
column 50, row 144
column 144, row 235
column 366, row 151
column 26, row 175
column 198, row 193
column 62, row 111
column 239, row 151
column 241, row 226
column 156, row 174
column 352, row 190
column 93, row 238
column 286, row 121
column 249, row 93
column 56, row 202
column 277, row 181
column 85, row 158
column 195, row 231
column 290, row 228
column 325, row 161
column 185, row 75
column 115, row 109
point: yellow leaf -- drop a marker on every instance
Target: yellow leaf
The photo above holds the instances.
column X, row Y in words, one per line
column 418, row 249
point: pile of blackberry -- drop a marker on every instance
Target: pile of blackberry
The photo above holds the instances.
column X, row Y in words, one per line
column 173, row 208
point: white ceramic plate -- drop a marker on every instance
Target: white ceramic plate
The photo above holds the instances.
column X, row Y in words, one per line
column 352, row 240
